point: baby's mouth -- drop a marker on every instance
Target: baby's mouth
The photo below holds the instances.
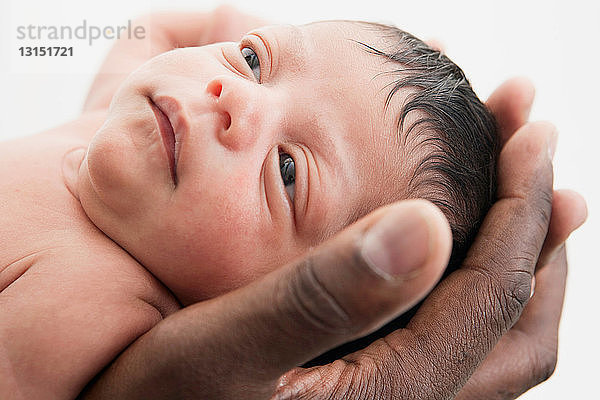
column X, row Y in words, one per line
column 167, row 135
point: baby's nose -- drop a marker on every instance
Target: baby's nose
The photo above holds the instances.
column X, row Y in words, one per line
column 239, row 111
column 214, row 89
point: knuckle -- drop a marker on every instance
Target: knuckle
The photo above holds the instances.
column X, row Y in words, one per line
column 532, row 196
column 505, row 293
column 502, row 270
column 314, row 303
column 376, row 379
column 510, row 294
column 336, row 381
column 407, row 367
column 533, row 213
column 513, row 294
column 382, row 374
column 544, row 205
column 544, row 363
column 546, row 371
column 356, row 383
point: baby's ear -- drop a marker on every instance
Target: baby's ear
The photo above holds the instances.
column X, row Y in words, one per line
column 436, row 45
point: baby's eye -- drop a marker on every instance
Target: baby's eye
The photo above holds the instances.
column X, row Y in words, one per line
column 288, row 173
column 253, row 61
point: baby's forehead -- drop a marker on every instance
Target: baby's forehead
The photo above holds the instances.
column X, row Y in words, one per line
column 355, row 30
column 342, row 41
column 346, row 50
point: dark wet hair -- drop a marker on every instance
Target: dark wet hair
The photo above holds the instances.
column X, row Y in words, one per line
column 450, row 126
column 455, row 134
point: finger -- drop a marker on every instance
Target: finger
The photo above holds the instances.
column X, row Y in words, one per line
column 569, row 212
column 464, row 317
column 526, row 355
column 542, row 315
column 511, row 103
column 349, row 286
column 352, row 285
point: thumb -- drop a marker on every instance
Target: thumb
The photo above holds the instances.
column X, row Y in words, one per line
column 346, row 288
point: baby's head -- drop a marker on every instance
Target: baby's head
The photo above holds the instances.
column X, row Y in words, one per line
column 218, row 164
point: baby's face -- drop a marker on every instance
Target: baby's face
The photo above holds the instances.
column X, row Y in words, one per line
column 218, row 164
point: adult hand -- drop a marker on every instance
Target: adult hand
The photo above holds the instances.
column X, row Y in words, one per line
column 164, row 31
column 238, row 345
column 464, row 317
column 526, row 354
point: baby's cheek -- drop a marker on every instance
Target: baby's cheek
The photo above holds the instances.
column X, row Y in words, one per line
column 221, row 247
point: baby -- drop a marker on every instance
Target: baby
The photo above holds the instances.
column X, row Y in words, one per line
column 214, row 166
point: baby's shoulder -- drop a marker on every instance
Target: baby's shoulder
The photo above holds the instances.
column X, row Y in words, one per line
column 76, row 265
column 73, row 308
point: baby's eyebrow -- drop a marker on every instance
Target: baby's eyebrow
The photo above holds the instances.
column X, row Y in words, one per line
column 298, row 40
column 296, row 49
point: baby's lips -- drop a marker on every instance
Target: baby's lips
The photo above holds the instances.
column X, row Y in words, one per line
column 70, row 168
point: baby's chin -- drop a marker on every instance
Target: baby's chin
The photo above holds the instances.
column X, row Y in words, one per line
column 77, row 179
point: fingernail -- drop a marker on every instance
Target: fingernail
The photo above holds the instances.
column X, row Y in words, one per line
column 397, row 246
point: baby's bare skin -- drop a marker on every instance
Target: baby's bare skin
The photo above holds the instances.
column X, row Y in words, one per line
column 71, row 298
column 203, row 214
column 181, row 183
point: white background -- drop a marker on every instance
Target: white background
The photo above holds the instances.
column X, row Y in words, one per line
column 554, row 43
